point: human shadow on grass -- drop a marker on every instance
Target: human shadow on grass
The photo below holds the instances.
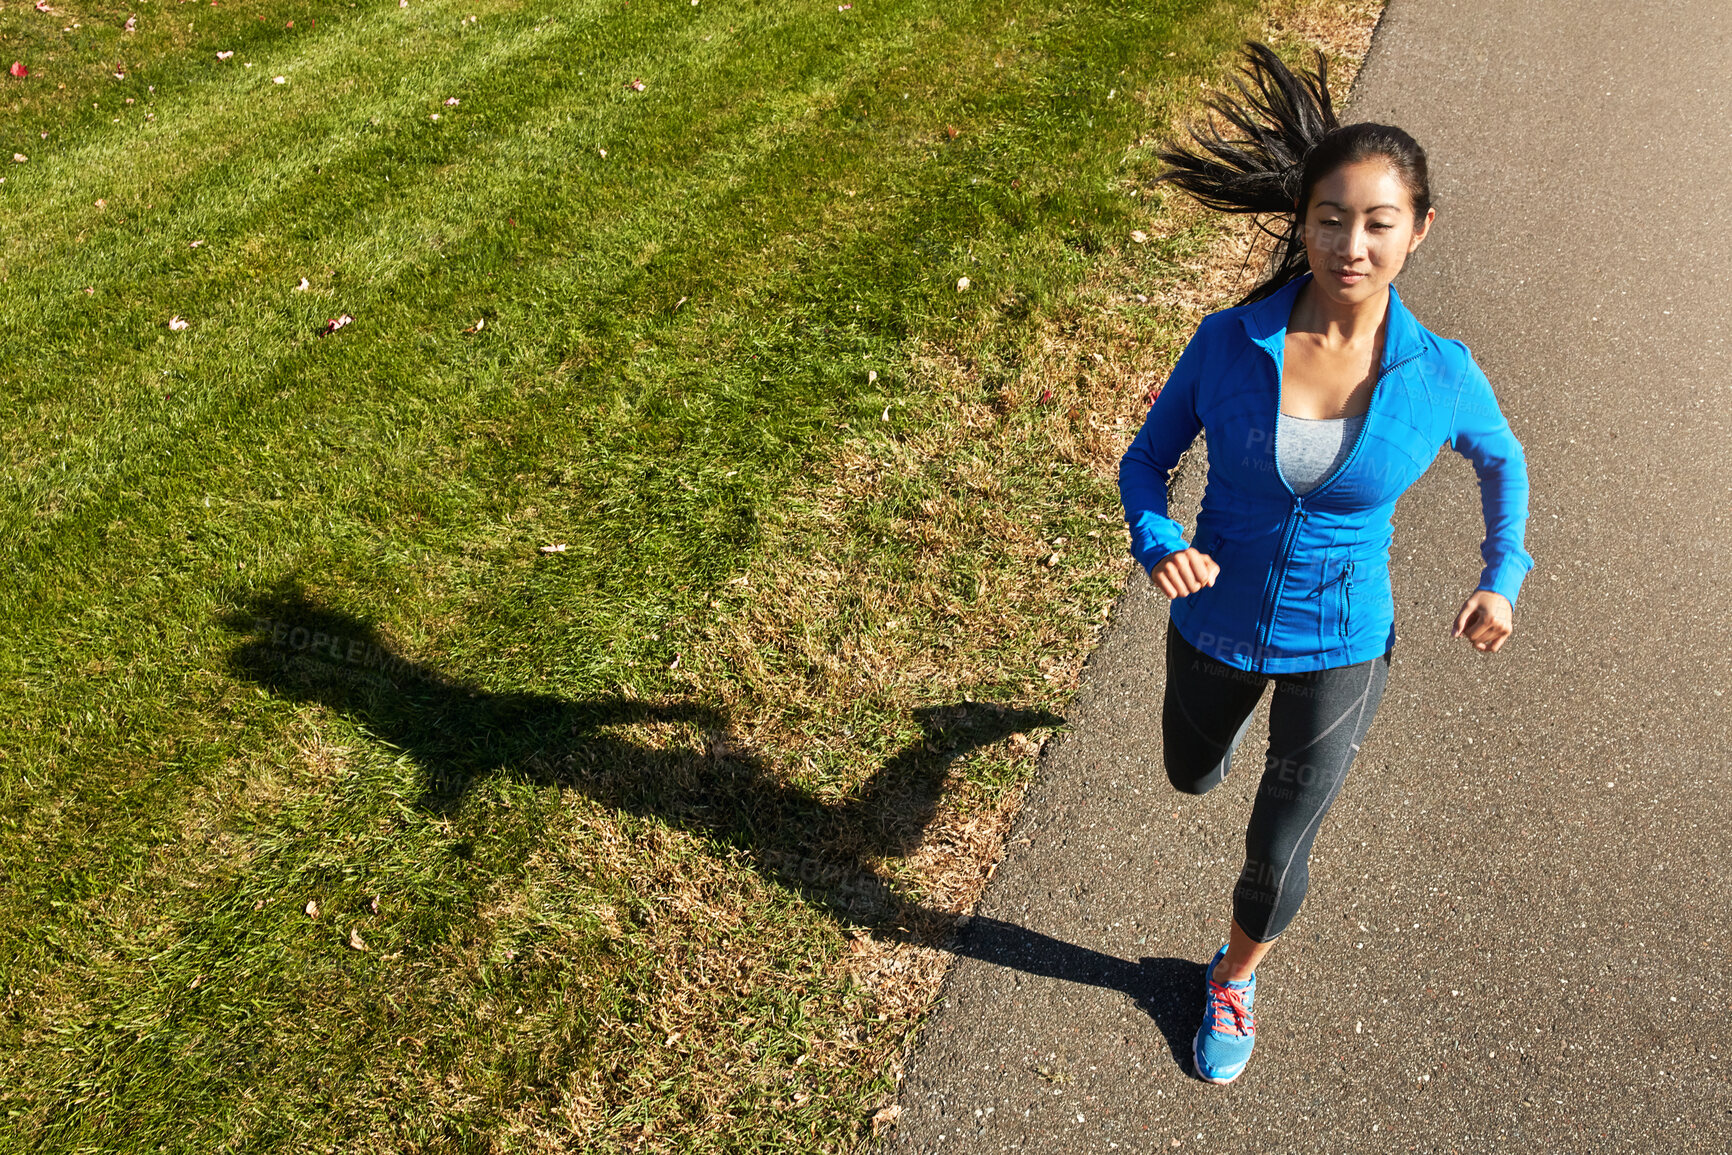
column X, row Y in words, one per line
column 459, row 734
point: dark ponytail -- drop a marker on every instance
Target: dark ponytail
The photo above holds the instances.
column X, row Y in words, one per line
column 1288, row 139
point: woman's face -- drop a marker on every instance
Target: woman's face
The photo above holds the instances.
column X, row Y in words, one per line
column 1359, row 228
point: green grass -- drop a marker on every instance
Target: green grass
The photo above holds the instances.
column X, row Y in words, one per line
column 616, row 893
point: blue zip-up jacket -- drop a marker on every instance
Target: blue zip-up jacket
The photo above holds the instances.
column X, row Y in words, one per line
column 1304, row 581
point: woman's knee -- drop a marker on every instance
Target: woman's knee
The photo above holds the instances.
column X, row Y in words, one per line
column 1190, row 776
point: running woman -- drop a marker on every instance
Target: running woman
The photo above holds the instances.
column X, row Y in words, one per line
column 1322, row 399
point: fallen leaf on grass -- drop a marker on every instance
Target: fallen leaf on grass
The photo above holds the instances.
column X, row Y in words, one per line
column 194, row 985
column 373, row 904
column 176, row 323
column 19, row 70
column 101, row 204
column 312, row 908
column 558, row 547
column 302, row 287
column 962, row 284
column 334, row 324
column 478, row 326
column 1139, row 236
column 885, row 1118
column 19, row 158
column 195, row 244
column 224, row 55
column 279, row 80
column 952, row 131
column 636, row 85
column 451, row 102
column 131, row 24
column 355, row 940
column 1045, row 397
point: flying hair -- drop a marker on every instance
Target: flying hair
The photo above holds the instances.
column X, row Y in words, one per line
column 1271, row 146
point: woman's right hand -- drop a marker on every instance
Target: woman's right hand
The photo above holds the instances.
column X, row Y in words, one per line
column 1184, row 572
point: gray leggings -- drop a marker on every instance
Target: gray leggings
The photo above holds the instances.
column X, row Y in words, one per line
column 1316, row 722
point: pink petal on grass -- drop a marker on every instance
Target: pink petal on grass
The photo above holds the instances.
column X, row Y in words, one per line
column 224, row 55
column 176, row 323
column 131, row 24
column 451, row 102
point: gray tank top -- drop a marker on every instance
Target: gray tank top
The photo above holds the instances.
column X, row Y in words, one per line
column 1308, row 450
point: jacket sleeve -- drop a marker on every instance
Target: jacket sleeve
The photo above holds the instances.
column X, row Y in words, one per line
column 1168, row 430
column 1482, row 435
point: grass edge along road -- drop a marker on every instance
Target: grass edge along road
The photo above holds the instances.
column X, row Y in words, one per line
column 336, row 810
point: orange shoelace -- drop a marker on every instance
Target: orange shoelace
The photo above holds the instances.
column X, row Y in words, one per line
column 1227, row 1007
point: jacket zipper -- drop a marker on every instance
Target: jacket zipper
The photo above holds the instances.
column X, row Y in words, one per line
column 1346, row 599
column 1272, row 594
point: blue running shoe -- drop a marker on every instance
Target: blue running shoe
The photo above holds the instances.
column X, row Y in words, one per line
column 1224, row 1041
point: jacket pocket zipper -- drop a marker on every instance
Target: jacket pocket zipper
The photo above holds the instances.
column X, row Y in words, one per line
column 1346, row 598
column 1344, row 579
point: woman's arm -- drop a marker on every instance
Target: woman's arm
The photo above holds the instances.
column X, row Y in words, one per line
column 1169, row 429
column 1481, row 434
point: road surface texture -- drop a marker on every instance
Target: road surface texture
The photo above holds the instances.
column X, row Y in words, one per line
column 1515, row 937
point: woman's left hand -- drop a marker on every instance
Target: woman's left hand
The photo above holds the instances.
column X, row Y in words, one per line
column 1486, row 619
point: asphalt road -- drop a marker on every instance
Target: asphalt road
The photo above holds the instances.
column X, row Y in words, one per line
column 1515, row 936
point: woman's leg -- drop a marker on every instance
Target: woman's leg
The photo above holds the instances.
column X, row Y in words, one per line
column 1316, row 724
column 1205, row 711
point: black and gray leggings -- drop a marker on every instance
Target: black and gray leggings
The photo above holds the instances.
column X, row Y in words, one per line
column 1316, row 722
